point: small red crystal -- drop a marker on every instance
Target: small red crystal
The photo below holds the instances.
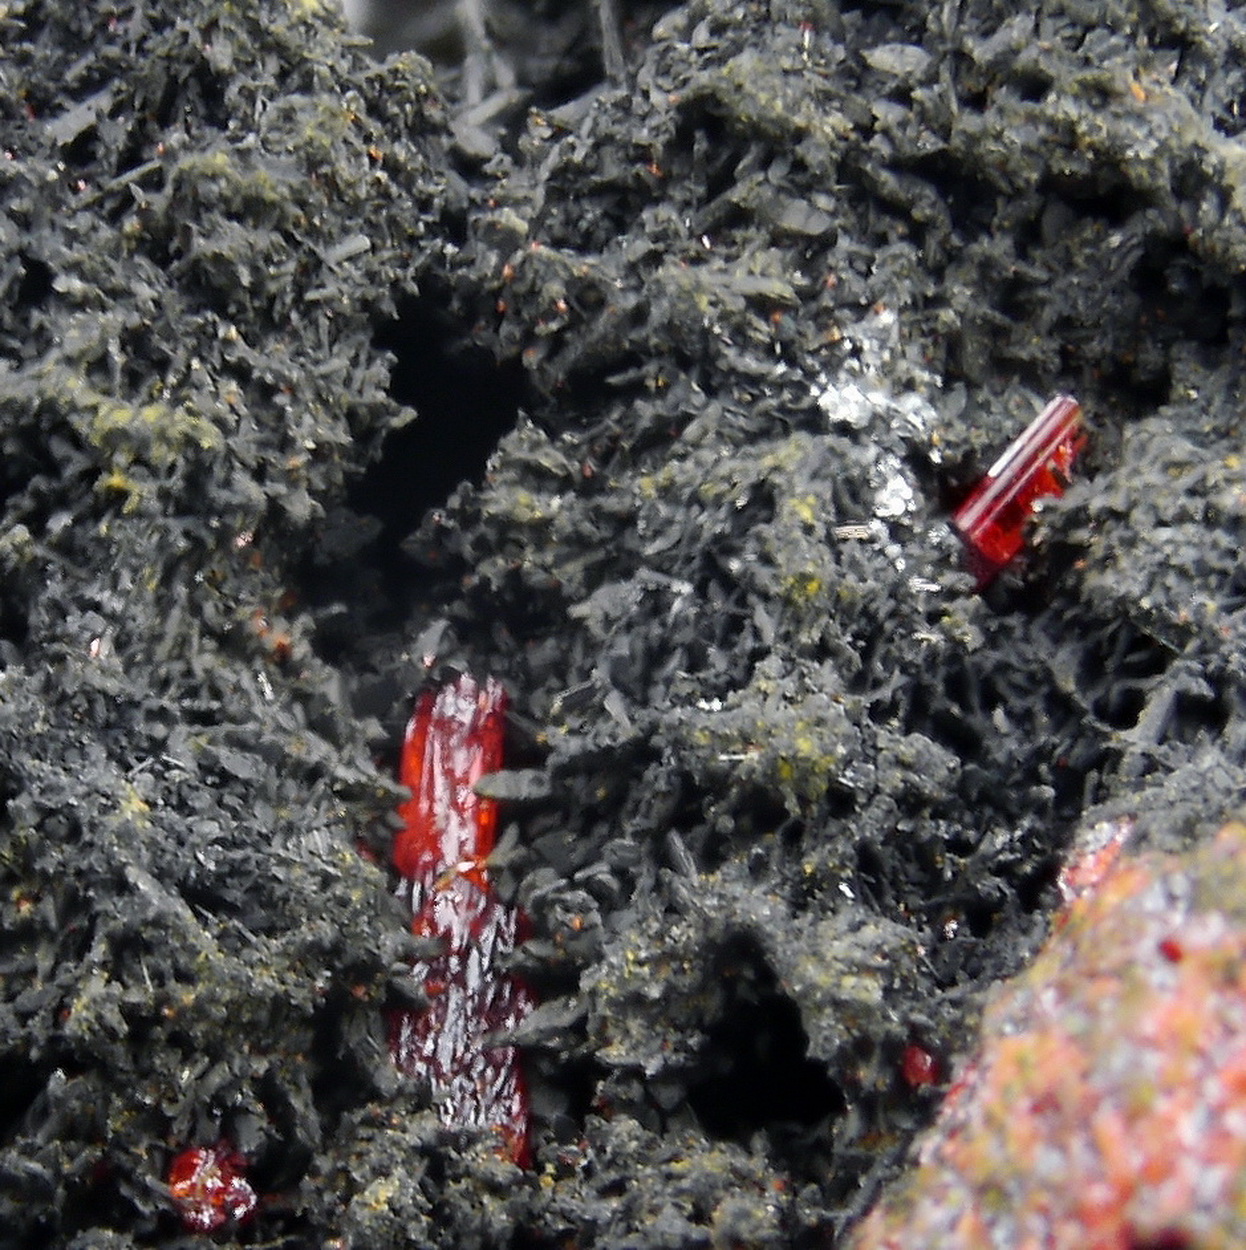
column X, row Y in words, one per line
column 991, row 522
column 209, row 1188
column 454, row 737
column 919, row 1067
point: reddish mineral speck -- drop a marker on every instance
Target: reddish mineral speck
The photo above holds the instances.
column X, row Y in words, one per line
column 918, row 1066
column 454, row 738
column 991, row 522
column 209, row 1188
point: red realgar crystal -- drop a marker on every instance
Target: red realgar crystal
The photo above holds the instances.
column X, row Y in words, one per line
column 919, row 1066
column 209, row 1188
column 1035, row 466
column 453, row 739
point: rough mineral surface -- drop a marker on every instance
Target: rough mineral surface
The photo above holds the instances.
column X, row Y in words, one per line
column 1105, row 1107
column 649, row 397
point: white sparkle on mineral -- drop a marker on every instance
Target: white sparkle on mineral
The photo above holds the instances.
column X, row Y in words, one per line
column 894, row 495
column 848, row 404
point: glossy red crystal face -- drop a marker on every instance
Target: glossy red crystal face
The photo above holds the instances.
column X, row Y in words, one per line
column 1035, row 466
column 209, row 1188
column 454, row 738
column 919, row 1066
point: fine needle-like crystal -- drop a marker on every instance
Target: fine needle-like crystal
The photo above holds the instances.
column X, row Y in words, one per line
column 991, row 522
column 454, row 737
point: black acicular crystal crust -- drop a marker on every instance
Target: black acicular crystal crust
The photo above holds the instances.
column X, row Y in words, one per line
column 787, row 796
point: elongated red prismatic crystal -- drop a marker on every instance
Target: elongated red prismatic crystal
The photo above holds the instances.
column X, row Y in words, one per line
column 991, row 522
column 454, row 737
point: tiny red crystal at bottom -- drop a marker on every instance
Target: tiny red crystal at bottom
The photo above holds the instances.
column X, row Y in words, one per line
column 453, row 739
column 209, row 1189
column 919, row 1066
column 992, row 520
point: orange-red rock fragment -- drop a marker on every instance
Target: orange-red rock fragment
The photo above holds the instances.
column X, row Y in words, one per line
column 1106, row 1106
